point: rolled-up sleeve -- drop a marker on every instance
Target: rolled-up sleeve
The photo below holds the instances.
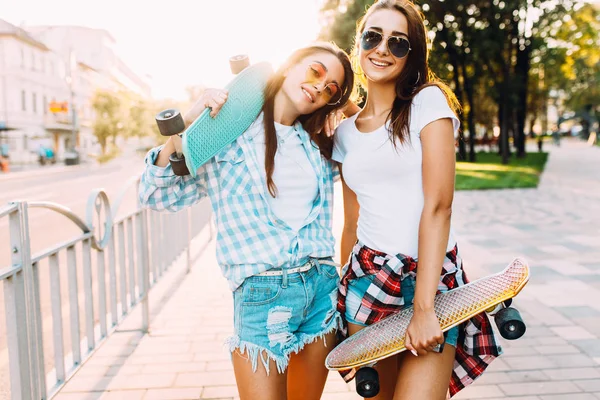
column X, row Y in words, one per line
column 160, row 189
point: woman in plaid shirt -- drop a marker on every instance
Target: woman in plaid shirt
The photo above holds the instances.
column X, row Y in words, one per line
column 271, row 191
column 397, row 160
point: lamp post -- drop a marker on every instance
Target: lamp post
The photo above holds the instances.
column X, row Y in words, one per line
column 74, row 159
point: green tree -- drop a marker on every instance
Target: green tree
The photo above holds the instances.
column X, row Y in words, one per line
column 139, row 117
column 109, row 117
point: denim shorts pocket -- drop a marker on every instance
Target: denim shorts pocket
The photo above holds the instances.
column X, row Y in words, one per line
column 330, row 271
column 361, row 284
column 260, row 293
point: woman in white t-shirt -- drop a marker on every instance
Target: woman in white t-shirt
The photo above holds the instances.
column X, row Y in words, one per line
column 397, row 158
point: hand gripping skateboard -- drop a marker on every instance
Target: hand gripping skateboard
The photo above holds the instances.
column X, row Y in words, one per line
column 385, row 338
column 206, row 136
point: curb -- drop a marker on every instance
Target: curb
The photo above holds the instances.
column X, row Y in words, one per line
column 41, row 172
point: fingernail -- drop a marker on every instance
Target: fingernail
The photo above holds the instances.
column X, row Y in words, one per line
column 414, row 353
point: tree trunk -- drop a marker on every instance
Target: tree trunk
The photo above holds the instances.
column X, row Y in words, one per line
column 505, row 115
column 522, row 75
column 462, row 151
column 468, row 85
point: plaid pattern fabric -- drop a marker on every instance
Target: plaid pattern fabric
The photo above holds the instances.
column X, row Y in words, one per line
column 476, row 348
column 250, row 237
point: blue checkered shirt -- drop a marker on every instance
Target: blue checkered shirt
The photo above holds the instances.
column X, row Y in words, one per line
column 250, row 237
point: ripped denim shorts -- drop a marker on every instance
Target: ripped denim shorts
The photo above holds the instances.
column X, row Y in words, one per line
column 277, row 315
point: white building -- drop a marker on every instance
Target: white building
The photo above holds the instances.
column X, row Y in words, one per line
column 36, row 67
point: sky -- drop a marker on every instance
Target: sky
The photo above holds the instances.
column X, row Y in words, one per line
column 182, row 42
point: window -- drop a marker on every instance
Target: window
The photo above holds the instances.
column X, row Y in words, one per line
column 34, row 97
column 45, row 105
column 23, row 101
column 22, row 58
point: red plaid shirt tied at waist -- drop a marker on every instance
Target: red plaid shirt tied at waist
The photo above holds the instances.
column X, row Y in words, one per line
column 476, row 348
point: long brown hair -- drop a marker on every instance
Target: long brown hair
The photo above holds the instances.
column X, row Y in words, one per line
column 313, row 123
column 415, row 75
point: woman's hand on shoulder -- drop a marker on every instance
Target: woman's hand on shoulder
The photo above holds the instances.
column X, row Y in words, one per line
column 335, row 117
column 210, row 98
column 332, row 121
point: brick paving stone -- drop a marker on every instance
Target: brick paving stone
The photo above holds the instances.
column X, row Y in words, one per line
column 173, row 394
column 576, row 396
column 571, row 360
column 566, row 349
column 480, row 392
column 220, row 378
column 79, row 396
column 573, row 373
column 528, row 376
column 573, row 333
column 173, row 368
column 529, row 362
column 217, row 392
column 124, row 395
column 539, row 388
column 588, row 385
column 142, row 381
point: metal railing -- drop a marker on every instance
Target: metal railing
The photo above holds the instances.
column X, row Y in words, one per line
column 132, row 252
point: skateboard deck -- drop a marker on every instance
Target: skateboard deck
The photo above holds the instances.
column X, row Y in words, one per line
column 206, row 136
column 386, row 337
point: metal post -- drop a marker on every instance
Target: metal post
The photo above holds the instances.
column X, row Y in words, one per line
column 32, row 317
column 188, row 256
column 70, row 80
column 36, row 356
column 17, row 314
column 144, row 282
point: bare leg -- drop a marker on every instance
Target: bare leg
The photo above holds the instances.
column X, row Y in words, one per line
column 258, row 385
column 387, row 370
column 307, row 373
column 424, row 377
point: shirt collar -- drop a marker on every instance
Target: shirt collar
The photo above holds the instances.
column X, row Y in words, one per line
column 257, row 127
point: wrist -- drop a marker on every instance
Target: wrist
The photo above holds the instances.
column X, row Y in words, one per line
column 423, row 306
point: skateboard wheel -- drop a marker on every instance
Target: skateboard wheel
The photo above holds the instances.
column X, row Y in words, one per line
column 510, row 324
column 367, row 382
column 170, row 122
column 238, row 63
column 178, row 165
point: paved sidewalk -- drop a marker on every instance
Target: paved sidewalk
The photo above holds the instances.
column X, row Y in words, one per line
column 556, row 227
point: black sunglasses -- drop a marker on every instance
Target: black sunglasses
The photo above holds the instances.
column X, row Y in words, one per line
column 398, row 45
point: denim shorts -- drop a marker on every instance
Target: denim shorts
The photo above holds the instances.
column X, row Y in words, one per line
column 275, row 316
column 358, row 287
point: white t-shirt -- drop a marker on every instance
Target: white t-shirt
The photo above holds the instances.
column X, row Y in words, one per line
column 388, row 182
column 294, row 176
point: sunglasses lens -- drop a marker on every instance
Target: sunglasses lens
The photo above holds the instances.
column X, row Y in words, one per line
column 399, row 47
column 332, row 94
column 370, row 39
column 315, row 73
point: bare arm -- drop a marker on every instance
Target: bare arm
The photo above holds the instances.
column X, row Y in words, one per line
column 438, row 190
column 351, row 209
column 437, row 139
column 213, row 98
